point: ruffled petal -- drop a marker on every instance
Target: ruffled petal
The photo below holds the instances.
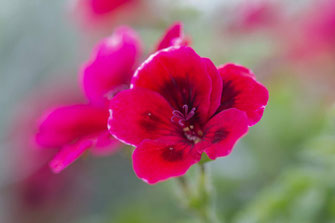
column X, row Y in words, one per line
column 173, row 36
column 111, row 66
column 178, row 74
column 241, row 90
column 215, row 98
column 68, row 154
column 139, row 114
column 65, row 125
column 223, row 131
column 236, row 69
column 157, row 160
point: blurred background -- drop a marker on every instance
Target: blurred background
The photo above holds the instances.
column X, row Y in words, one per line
column 282, row 171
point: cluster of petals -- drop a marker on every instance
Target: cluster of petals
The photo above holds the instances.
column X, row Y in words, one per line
column 106, row 13
column 180, row 106
column 80, row 127
column 254, row 15
column 312, row 35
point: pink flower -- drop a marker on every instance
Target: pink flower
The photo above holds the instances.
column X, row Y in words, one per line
column 179, row 106
column 106, row 6
column 312, row 38
column 103, row 13
column 80, row 127
column 253, row 15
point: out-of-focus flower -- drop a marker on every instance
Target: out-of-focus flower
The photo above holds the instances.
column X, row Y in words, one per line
column 174, row 36
column 80, row 127
column 253, row 15
column 313, row 35
column 111, row 65
column 41, row 193
column 180, row 106
column 102, row 13
column 25, row 125
column 105, row 6
column 35, row 192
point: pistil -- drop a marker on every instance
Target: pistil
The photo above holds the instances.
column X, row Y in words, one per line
column 190, row 132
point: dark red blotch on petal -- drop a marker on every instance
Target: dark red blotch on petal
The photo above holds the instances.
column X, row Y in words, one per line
column 180, row 76
column 223, row 131
column 157, row 160
column 241, row 90
column 139, row 114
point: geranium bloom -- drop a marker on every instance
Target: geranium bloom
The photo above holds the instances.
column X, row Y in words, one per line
column 314, row 34
column 253, row 15
column 80, row 127
column 106, row 6
column 104, row 13
column 179, row 106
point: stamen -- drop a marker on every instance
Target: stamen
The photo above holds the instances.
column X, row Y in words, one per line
column 180, row 122
column 185, row 107
column 191, row 114
column 182, row 118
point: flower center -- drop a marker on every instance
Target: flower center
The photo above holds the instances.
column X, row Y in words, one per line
column 182, row 118
column 190, row 131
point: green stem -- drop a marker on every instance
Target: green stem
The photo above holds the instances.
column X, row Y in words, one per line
column 199, row 202
column 206, row 208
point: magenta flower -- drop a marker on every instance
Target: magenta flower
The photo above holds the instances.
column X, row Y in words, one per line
column 104, row 13
column 106, row 6
column 77, row 128
column 253, row 15
column 80, row 127
column 179, row 106
column 316, row 34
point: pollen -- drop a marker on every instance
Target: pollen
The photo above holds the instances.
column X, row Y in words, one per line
column 170, row 148
column 186, row 129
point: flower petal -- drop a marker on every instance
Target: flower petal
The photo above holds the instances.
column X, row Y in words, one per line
column 105, row 6
column 68, row 154
column 174, row 35
column 67, row 124
column 178, row 74
column 241, row 90
column 105, row 145
column 139, row 114
column 111, row 66
column 157, row 160
column 215, row 98
column 222, row 132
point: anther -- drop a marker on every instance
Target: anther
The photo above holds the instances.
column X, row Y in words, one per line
column 182, row 117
